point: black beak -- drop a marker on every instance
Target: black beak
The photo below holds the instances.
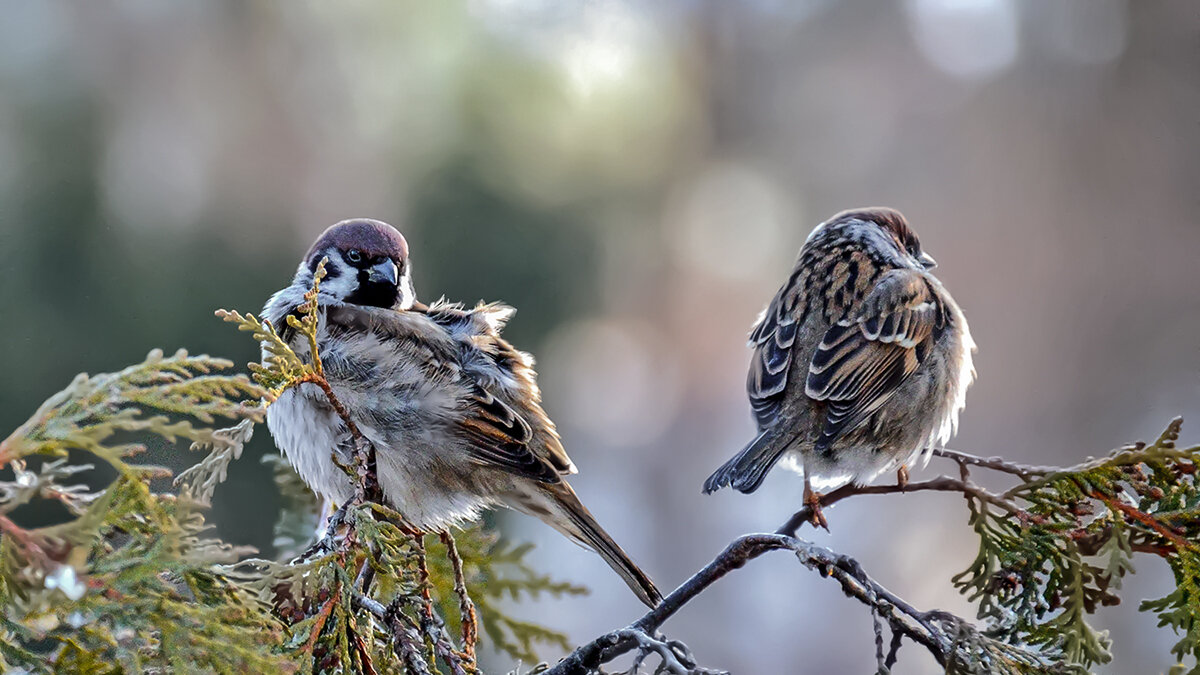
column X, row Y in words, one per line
column 927, row 261
column 384, row 272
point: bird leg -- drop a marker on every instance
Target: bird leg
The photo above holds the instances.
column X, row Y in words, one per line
column 813, row 501
column 902, row 477
column 326, row 539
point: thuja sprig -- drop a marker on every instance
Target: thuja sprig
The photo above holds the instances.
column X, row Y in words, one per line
column 156, row 397
column 280, row 367
column 126, row 581
column 1041, row 575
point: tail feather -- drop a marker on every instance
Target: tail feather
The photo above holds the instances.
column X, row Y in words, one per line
column 580, row 526
column 746, row 471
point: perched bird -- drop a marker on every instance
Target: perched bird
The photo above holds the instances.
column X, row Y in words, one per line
column 861, row 360
column 453, row 410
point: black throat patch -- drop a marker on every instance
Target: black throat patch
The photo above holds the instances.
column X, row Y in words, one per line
column 372, row 293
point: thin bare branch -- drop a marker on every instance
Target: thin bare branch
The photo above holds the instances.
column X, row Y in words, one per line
column 939, row 484
column 901, row 617
column 1022, row 471
column 407, row 642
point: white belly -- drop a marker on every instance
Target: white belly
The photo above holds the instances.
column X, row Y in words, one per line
column 307, row 433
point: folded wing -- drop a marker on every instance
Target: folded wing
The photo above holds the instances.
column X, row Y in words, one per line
column 865, row 357
column 502, row 425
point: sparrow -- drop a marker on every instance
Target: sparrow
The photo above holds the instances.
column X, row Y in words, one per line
column 861, row 361
column 452, row 409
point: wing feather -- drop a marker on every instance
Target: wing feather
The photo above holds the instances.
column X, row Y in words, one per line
column 772, row 339
column 863, row 359
column 501, row 437
column 494, row 422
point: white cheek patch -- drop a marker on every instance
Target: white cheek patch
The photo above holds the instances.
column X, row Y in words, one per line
column 339, row 281
column 340, row 287
column 407, row 295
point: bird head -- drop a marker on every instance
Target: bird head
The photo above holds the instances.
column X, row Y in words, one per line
column 877, row 230
column 367, row 264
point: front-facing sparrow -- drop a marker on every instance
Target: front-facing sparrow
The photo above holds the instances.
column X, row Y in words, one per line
column 453, row 409
column 861, row 361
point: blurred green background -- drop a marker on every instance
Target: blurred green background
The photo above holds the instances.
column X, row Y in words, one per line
column 636, row 178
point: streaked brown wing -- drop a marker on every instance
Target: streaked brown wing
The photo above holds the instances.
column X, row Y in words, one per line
column 501, row 437
column 846, row 277
column 493, row 361
column 864, row 358
column 772, row 340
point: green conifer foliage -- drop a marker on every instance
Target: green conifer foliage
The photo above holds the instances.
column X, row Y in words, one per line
column 1055, row 548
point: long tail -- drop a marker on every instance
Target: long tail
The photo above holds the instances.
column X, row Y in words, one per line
column 746, row 471
column 573, row 519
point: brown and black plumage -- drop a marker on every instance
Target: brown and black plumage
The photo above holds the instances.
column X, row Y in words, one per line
column 861, row 360
column 452, row 408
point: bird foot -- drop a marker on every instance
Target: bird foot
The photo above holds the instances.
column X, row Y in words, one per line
column 902, row 477
column 813, row 501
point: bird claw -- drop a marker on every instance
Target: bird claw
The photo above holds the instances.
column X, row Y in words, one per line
column 812, row 500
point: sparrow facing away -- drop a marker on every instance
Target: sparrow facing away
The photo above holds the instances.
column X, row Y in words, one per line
column 861, row 360
column 453, row 410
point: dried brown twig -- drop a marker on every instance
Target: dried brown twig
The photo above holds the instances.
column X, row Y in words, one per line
column 939, row 484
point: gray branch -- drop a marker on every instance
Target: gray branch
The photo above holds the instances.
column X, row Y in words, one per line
column 903, row 619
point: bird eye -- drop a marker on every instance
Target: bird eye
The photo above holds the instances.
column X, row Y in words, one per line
column 354, row 256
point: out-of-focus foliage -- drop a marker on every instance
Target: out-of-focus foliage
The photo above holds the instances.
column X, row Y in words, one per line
column 505, row 576
column 1056, row 547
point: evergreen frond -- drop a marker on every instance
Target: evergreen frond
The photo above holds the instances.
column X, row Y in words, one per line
column 1042, row 573
column 280, row 365
column 200, row 480
column 495, row 572
column 155, row 397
